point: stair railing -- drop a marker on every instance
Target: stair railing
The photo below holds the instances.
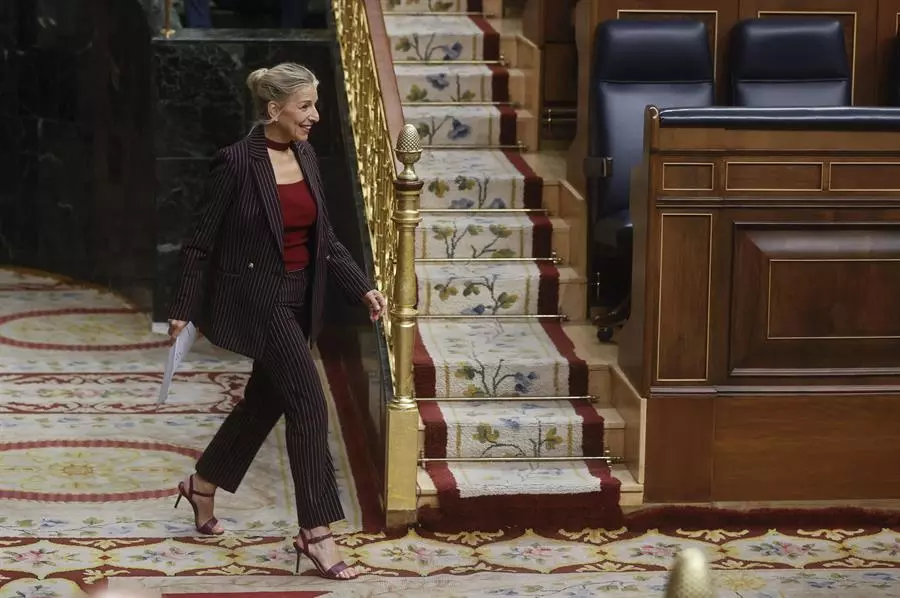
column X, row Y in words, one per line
column 391, row 197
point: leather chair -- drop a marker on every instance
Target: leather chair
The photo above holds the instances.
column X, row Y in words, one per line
column 895, row 74
column 634, row 64
column 785, row 62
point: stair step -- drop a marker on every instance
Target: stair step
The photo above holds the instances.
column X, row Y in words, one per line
column 497, row 235
column 491, row 288
column 418, row 6
column 440, row 38
column 487, row 357
column 456, row 83
column 485, row 429
column 476, row 179
column 467, row 125
column 631, row 492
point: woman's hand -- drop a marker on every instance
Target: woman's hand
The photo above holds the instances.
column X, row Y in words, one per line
column 175, row 328
column 376, row 303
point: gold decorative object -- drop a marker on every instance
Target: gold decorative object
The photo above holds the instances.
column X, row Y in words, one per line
column 167, row 30
column 409, row 150
column 391, row 199
column 407, row 194
column 690, row 577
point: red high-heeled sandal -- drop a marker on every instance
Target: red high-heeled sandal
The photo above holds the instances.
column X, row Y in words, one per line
column 334, row 572
column 208, row 528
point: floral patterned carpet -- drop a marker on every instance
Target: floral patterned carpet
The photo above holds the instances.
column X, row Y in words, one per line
column 483, row 249
column 88, row 466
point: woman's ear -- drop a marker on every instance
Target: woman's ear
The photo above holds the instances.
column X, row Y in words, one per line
column 273, row 110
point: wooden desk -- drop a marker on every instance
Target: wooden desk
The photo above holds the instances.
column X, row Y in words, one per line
column 765, row 327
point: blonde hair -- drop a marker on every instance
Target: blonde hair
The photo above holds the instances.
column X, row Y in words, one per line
column 277, row 84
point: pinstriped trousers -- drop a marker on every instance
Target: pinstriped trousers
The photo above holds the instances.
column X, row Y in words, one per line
column 284, row 382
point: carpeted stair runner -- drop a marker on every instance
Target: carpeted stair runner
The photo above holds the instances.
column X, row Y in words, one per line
column 483, row 250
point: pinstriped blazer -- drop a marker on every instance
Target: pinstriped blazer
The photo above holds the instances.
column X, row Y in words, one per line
column 233, row 260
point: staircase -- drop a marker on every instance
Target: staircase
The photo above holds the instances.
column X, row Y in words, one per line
column 514, row 400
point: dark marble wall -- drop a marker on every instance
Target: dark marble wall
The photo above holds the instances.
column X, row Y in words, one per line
column 202, row 104
column 75, row 177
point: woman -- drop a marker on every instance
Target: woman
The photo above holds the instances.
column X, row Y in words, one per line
column 253, row 279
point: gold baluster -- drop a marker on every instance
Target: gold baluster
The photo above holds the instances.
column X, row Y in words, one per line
column 167, row 30
column 407, row 192
column 690, row 576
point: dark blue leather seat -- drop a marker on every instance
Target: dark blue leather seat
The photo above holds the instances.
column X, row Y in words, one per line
column 781, row 61
column 666, row 63
column 895, row 74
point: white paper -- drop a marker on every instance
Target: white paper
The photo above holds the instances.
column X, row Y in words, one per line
column 181, row 346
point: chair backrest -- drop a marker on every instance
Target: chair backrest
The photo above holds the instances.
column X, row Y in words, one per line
column 895, row 74
column 666, row 63
column 785, row 62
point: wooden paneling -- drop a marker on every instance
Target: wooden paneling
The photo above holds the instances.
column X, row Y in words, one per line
column 888, row 30
column 805, row 448
column 679, row 449
column 766, row 448
column 688, row 176
column 560, row 85
column 685, row 251
column 550, row 26
column 883, row 177
column 764, row 331
column 815, row 299
column 774, row 177
column 860, row 21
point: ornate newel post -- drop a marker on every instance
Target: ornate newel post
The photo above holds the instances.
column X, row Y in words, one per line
column 402, row 443
column 690, row 576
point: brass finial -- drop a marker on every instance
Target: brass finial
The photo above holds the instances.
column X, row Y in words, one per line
column 409, row 150
column 690, row 577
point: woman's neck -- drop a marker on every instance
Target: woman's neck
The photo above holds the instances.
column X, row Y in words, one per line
column 275, row 138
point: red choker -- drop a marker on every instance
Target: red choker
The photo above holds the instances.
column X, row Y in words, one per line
column 277, row 145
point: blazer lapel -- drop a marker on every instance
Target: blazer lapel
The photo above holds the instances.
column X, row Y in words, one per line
column 266, row 185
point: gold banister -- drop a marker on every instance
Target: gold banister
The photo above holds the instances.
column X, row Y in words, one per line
column 167, row 30
column 391, row 200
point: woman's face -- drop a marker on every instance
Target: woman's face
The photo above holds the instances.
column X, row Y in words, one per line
column 298, row 114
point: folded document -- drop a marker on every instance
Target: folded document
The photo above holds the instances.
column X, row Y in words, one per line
column 181, row 346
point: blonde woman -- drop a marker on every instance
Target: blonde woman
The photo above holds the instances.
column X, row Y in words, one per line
column 253, row 280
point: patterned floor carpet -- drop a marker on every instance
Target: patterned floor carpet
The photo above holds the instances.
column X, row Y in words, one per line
column 484, row 254
column 88, row 466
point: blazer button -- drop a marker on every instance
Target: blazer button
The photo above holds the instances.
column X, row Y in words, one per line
column 327, row 257
column 250, row 266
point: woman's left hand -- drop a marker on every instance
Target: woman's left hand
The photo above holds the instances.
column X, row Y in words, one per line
column 376, row 303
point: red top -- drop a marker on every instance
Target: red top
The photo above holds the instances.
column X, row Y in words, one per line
column 298, row 212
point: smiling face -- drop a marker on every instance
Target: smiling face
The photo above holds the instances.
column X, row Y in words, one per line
column 296, row 117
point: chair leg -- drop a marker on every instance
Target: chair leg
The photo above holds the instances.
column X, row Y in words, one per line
column 613, row 321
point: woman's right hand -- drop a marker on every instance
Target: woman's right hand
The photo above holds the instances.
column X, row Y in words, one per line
column 175, row 328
